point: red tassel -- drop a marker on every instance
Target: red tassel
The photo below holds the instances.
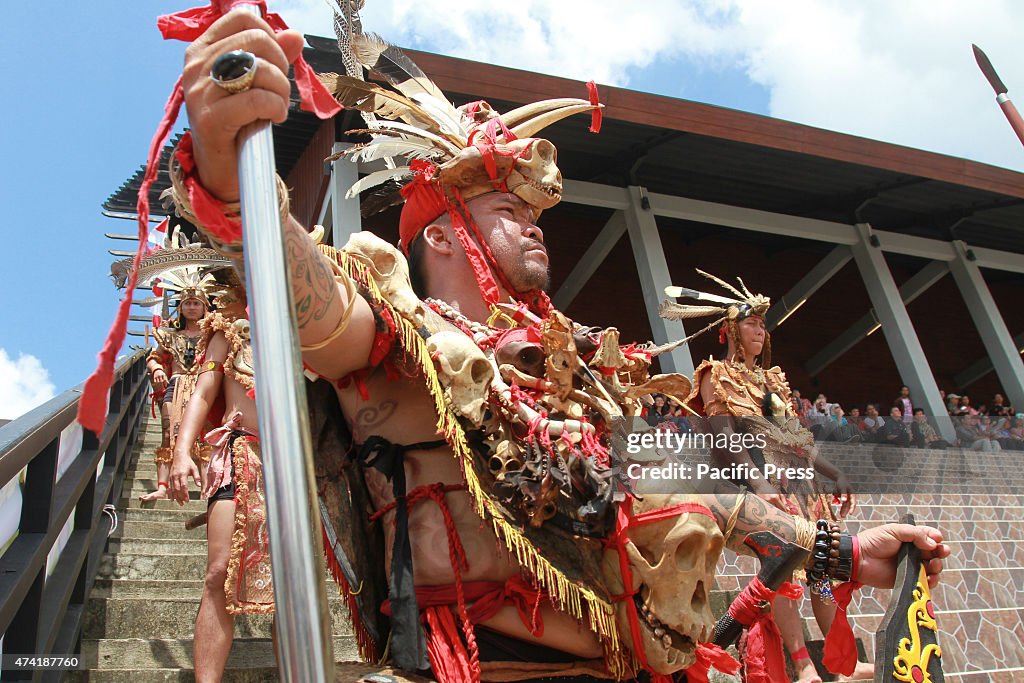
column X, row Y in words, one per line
column 763, row 654
column 596, row 115
column 840, row 645
column 710, row 656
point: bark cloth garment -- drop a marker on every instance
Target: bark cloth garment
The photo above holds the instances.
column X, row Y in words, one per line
column 558, row 546
column 747, row 396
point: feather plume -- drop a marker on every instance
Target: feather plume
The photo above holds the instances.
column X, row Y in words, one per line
column 381, row 199
column 394, row 67
column 407, row 130
column 376, row 178
column 149, row 301
column 450, row 121
column 745, row 290
column 722, row 282
column 354, row 93
column 673, row 311
column 347, row 25
column 388, row 147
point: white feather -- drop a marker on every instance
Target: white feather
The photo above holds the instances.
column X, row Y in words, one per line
column 389, row 147
column 420, row 133
column 376, row 178
column 445, row 115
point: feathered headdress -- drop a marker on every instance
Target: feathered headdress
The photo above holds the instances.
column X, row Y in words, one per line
column 744, row 305
column 454, row 154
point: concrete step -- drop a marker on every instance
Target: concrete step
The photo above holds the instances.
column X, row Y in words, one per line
column 135, row 529
column 157, row 546
column 148, row 654
column 152, row 566
column 132, row 503
column 156, row 617
column 144, row 485
column 145, row 588
column 156, row 514
column 162, row 566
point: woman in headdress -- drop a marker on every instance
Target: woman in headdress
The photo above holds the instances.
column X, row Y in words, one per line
column 744, row 394
column 173, row 366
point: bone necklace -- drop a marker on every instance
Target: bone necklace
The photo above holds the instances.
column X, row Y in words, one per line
column 479, row 331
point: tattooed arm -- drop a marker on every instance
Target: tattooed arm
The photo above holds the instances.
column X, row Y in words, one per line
column 879, row 546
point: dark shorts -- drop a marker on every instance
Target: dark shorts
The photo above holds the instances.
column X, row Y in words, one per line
column 226, row 492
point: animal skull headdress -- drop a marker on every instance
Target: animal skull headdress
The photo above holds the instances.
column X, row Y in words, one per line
column 454, row 154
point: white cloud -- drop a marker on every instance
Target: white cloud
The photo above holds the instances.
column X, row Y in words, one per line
column 899, row 72
column 24, row 384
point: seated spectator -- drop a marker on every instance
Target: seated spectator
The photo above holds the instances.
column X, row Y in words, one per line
column 894, row 432
column 677, row 415
column 1014, row 439
column 855, row 418
column 971, row 436
column 841, row 429
column 952, row 403
column 659, row 412
column 872, row 425
column 923, row 434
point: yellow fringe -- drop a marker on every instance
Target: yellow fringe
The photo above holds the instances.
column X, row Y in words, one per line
column 568, row 596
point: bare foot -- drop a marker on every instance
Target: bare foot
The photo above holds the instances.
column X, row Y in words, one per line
column 805, row 671
column 159, row 494
column 863, row 672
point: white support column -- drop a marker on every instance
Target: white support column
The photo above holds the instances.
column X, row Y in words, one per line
column 981, row 367
column 899, row 330
column 652, row 268
column 591, row 260
column 810, row 283
column 345, row 217
column 869, row 324
column 999, row 344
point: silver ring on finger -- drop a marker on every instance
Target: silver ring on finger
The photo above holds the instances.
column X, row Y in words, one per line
column 234, row 71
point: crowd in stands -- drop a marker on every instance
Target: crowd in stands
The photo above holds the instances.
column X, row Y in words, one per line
column 988, row 427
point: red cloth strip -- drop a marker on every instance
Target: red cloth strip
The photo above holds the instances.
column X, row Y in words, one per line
column 763, row 656
column 711, row 656
column 597, row 115
column 840, row 645
column 92, row 407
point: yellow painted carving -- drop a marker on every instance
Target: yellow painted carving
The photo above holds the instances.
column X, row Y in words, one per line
column 910, row 664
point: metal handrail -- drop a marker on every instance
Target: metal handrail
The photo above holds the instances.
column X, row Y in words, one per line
column 42, row 614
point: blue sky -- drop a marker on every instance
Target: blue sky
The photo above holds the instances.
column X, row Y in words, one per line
column 87, row 83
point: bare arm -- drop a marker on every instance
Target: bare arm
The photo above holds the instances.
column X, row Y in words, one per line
column 216, row 117
column 879, row 546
